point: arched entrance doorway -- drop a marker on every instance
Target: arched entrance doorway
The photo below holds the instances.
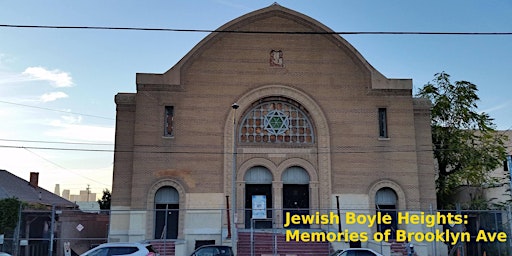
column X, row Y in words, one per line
column 166, row 213
column 258, row 197
column 295, row 194
column 386, row 203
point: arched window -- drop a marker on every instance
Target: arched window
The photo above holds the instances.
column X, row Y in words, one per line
column 386, row 197
column 167, row 195
column 295, row 175
column 276, row 120
column 258, row 175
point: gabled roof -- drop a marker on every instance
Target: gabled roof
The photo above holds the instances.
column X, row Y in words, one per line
column 173, row 75
column 14, row 186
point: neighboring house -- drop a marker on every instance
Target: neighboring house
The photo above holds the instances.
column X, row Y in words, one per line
column 37, row 210
column 498, row 194
column 315, row 123
column 501, row 195
column 29, row 191
column 36, row 218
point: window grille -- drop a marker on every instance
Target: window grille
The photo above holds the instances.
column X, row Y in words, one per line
column 276, row 122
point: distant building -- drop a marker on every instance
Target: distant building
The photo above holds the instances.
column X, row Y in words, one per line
column 57, row 190
column 85, row 200
column 65, row 193
column 84, row 196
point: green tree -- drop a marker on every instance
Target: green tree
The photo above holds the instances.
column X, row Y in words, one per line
column 104, row 202
column 9, row 209
column 466, row 145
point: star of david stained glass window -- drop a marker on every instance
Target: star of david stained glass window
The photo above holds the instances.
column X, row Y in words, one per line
column 276, row 121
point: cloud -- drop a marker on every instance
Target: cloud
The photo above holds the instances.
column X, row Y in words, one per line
column 497, row 107
column 70, row 129
column 52, row 96
column 72, row 119
column 9, row 78
column 56, row 77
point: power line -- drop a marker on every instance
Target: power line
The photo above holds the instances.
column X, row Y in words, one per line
column 55, row 110
column 62, row 149
column 61, row 167
column 60, row 142
column 261, row 32
column 219, row 152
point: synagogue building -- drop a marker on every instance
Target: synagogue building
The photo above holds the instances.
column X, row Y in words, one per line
column 277, row 114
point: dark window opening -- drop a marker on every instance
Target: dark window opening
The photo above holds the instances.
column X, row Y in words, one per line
column 383, row 123
column 169, row 121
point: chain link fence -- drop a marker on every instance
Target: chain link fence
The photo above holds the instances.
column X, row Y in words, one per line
column 466, row 233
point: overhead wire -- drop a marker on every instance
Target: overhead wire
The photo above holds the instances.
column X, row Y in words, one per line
column 143, row 149
column 210, row 31
column 59, row 142
column 257, row 32
column 55, row 110
column 66, row 169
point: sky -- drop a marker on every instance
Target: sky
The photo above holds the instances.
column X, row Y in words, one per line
column 57, row 86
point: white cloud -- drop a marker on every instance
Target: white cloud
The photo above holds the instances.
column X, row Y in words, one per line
column 52, row 96
column 70, row 130
column 9, row 78
column 497, row 107
column 56, row 77
column 72, row 119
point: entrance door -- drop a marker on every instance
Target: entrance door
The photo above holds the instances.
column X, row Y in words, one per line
column 258, row 182
column 166, row 221
column 258, row 190
column 296, row 201
column 166, row 213
column 385, row 202
column 295, row 194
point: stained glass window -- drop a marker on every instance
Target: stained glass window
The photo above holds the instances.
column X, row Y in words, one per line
column 169, row 118
column 276, row 121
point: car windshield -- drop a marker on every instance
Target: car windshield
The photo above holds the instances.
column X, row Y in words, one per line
column 225, row 251
column 214, row 251
column 150, row 248
column 335, row 253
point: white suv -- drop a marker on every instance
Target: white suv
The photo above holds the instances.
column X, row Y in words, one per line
column 356, row 252
column 131, row 249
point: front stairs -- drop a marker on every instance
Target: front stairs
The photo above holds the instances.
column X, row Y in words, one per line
column 268, row 243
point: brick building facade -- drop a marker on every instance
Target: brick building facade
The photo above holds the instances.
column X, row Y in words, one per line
column 316, row 123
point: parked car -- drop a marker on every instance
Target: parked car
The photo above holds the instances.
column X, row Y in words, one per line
column 213, row 250
column 4, row 254
column 356, row 252
column 128, row 249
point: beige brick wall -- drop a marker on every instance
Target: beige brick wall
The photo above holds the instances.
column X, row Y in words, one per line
column 321, row 72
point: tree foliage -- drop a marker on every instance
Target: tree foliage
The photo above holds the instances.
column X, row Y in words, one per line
column 104, row 202
column 466, row 145
column 9, row 209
